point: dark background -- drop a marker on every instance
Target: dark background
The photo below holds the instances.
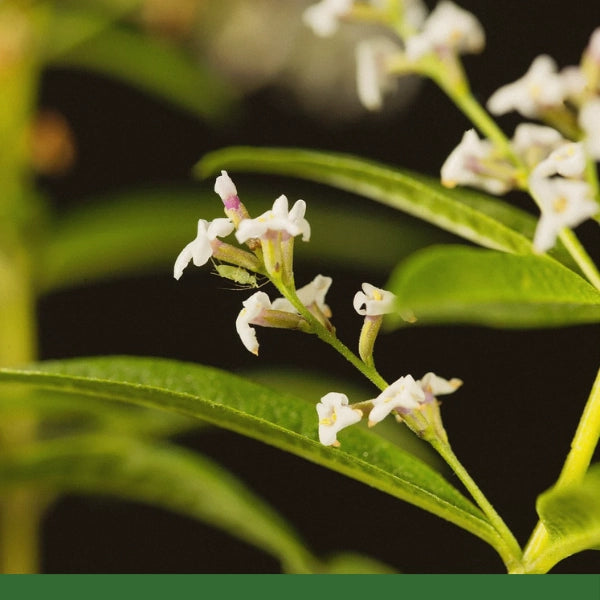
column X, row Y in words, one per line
column 511, row 424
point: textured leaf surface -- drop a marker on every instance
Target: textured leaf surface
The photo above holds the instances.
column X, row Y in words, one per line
column 272, row 417
column 476, row 217
column 455, row 284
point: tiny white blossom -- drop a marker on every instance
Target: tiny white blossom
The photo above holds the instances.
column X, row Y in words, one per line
column 291, row 222
column 374, row 300
column 372, row 77
column 437, row 386
column 466, row 165
column 405, row 394
column 323, row 17
column 311, row 294
column 448, row 28
column 253, row 309
column 200, row 249
column 335, row 414
column 563, row 203
column 533, row 143
column 567, row 160
column 540, row 88
column 589, row 121
column 225, row 187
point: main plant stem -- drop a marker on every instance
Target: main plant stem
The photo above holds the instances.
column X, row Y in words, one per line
column 20, row 509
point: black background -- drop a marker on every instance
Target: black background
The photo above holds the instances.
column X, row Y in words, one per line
column 524, row 390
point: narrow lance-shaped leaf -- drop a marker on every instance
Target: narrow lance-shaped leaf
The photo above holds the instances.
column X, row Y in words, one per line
column 162, row 475
column 471, row 215
column 456, row 284
column 572, row 519
column 272, row 417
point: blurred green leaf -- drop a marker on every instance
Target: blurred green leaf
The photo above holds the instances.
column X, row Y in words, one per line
column 151, row 65
column 456, row 284
column 162, row 475
column 141, row 230
column 279, row 419
column 58, row 414
column 472, row 215
column 572, row 519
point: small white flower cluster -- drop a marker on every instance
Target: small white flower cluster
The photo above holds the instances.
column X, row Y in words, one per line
column 404, row 397
column 446, row 32
column 551, row 166
column 273, row 231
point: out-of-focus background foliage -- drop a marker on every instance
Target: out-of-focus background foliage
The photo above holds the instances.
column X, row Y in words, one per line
column 278, row 85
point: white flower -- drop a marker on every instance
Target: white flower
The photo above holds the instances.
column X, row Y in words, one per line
column 573, row 81
column 311, row 294
column 372, row 77
column 448, row 28
column 533, row 143
column 225, row 187
column 405, row 393
column 467, row 165
column 200, row 249
column 437, row 386
column 277, row 219
column 335, row 414
column 589, row 120
column 323, row 17
column 540, row 88
column 563, row 203
column 375, row 301
column 567, row 160
column 252, row 311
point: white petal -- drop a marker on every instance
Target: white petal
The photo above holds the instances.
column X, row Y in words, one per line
column 375, row 301
column 225, row 187
column 430, row 382
column 221, row 227
column 568, row 160
column 334, row 415
column 404, row 393
column 323, row 17
column 589, row 120
column 253, row 307
column 182, row 261
column 372, row 78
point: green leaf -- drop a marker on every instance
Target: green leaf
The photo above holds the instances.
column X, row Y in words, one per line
column 162, row 475
column 571, row 517
column 151, row 65
column 466, row 213
column 279, row 419
column 58, row 414
column 456, row 284
column 108, row 237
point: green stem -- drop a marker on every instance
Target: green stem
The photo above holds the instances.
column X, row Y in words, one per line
column 574, row 469
column 512, row 554
column 369, row 371
column 510, row 551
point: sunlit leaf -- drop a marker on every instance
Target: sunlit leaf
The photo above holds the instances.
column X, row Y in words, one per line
column 456, row 284
column 273, row 417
